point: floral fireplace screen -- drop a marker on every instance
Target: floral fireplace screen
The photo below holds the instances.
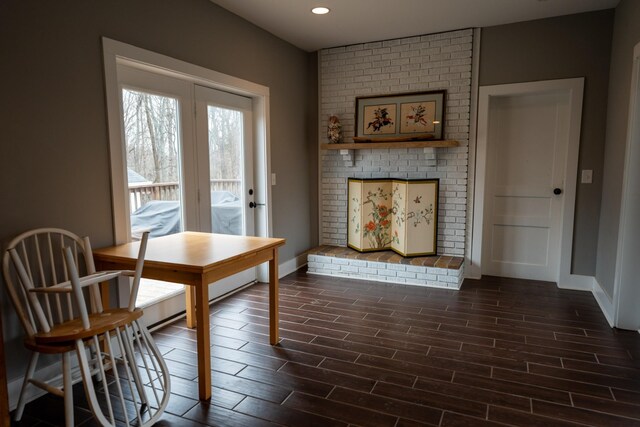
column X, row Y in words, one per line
column 396, row 214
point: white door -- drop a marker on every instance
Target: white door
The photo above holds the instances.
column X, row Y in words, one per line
column 226, row 164
column 189, row 161
column 527, row 144
column 156, row 113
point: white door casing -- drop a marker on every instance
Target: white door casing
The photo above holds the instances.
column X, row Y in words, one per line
column 116, row 53
column 520, row 228
column 626, row 292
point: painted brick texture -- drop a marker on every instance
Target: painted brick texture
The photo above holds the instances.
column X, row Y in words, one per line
column 429, row 62
column 386, row 272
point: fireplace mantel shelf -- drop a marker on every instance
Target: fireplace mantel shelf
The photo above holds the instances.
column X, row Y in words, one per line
column 384, row 145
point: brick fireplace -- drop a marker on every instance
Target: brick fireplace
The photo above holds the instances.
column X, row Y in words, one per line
column 422, row 63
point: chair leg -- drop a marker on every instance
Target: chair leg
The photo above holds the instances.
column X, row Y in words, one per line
column 127, row 390
column 89, row 390
column 95, row 352
column 130, row 354
column 67, row 386
column 31, row 368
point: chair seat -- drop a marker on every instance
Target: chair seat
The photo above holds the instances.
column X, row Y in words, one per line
column 53, row 348
column 68, row 332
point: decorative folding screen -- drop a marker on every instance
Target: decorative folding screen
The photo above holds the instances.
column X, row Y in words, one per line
column 396, row 214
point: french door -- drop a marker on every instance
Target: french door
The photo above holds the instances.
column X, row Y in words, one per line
column 224, row 153
column 189, row 162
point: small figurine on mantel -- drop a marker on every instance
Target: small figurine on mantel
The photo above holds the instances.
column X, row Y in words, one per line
column 334, row 130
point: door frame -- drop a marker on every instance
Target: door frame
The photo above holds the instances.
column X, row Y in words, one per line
column 575, row 88
column 626, row 293
column 115, row 52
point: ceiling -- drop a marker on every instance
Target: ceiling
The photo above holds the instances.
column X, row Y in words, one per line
column 358, row 21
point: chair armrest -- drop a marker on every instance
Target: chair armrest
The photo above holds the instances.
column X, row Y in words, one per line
column 92, row 279
column 64, row 287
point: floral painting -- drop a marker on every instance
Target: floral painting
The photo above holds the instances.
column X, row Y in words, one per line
column 377, row 230
column 393, row 214
column 418, row 117
column 370, row 214
column 380, row 119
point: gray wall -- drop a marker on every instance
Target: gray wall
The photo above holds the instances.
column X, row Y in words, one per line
column 626, row 34
column 556, row 48
column 54, row 148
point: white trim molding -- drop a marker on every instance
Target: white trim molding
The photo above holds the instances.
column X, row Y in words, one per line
column 292, row 265
column 114, row 53
column 604, row 301
column 574, row 87
column 626, row 292
column 472, row 270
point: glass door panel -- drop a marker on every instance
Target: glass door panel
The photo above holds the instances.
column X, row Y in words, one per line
column 226, row 170
column 152, row 139
column 225, row 153
column 153, row 163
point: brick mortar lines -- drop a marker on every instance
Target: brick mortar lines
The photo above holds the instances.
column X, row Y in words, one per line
column 385, row 272
column 423, row 63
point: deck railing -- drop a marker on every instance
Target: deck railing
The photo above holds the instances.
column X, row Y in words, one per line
column 141, row 194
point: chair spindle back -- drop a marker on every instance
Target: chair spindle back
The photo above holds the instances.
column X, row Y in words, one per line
column 35, row 260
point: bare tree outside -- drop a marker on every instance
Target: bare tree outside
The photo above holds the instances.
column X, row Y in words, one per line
column 151, row 128
column 150, row 125
column 225, row 149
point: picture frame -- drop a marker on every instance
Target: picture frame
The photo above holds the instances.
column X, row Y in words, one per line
column 396, row 214
column 400, row 117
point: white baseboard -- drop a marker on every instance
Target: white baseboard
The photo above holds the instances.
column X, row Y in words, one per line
column 284, row 268
column 606, row 305
column 576, row 282
column 292, row 265
column 472, row 271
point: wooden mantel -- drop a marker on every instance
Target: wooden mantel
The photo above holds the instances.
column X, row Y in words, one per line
column 383, row 145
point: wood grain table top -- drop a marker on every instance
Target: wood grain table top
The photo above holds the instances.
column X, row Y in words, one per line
column 190, row 250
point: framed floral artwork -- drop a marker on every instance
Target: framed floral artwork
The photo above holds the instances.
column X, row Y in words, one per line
column 403, row 116
column 396, row 214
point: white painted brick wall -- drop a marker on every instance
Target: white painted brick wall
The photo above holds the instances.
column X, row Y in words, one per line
column 385, row 272
column 429, row 62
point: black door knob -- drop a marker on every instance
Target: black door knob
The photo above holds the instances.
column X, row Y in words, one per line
column 557, row 191
column 252, row 205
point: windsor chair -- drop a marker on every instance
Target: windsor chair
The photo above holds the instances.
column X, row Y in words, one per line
column 53, row 284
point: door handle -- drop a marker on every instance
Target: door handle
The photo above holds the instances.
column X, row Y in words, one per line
column 557, row 191
column 253, row 205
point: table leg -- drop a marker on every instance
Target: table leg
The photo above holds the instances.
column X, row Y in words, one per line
column 203, row 340
column 273, row 298
column 190, row 298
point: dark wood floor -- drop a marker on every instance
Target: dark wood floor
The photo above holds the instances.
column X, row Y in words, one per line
column 499, row 351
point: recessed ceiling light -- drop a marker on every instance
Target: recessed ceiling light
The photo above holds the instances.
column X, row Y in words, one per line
column 320, row 10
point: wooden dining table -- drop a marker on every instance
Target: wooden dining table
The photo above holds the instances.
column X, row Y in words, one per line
column 197, row 260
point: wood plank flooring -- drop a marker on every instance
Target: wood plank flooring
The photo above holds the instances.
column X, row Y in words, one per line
column 353, row 353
